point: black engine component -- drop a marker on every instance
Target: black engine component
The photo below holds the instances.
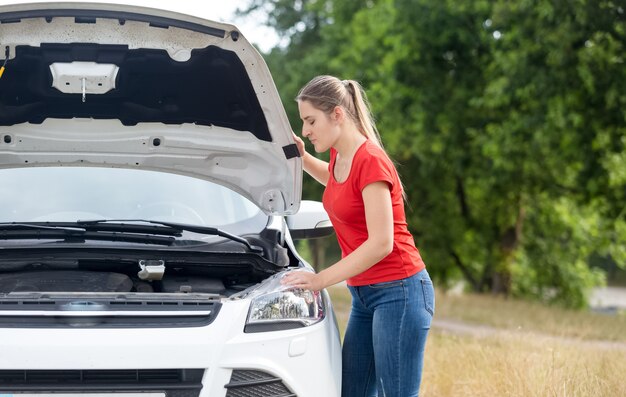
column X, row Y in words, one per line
column 65, row 281
column 193, row 284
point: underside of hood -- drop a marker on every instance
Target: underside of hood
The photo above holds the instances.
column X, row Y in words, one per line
column 122, row 86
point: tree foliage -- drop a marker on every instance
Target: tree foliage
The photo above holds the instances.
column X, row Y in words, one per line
column 506, row 120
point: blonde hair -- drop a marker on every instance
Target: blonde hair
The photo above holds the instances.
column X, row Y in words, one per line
column 327, row 92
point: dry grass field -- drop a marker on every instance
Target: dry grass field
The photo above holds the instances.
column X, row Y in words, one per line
column 513, row 348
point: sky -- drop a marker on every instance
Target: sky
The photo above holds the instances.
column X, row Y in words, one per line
column 217, row 10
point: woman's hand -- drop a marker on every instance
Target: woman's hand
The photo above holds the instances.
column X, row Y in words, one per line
column 300, row 144
column 317, row 168
column 303, row 279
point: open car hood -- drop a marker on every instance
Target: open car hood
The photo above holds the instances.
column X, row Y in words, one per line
column 122, row 86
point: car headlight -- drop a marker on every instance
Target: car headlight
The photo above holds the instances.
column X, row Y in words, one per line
column 277, row 307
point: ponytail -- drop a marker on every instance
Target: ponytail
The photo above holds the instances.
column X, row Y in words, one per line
column 362, row 112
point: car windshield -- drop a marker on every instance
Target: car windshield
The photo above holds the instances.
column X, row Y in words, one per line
column 68, row 194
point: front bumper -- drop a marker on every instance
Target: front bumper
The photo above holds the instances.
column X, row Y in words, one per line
column 306, row 360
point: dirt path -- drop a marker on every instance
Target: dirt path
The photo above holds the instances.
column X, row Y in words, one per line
column 484, row 331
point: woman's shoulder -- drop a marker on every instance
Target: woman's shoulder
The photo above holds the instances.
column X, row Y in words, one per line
column 371, row 150
column 372, row 164
column 370, row 156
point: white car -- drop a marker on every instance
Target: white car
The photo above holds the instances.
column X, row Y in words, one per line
column 149, row 198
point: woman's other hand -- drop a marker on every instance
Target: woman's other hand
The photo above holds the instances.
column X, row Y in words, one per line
column 300, row 144
column 317, row 168
column 303, row 279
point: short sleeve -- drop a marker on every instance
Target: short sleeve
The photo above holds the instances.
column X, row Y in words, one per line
column 374, row 166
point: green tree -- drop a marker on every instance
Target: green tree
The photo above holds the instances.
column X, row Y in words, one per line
column 557, row 84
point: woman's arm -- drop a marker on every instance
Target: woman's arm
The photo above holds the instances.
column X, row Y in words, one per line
column 379, row 220
column 315, row 167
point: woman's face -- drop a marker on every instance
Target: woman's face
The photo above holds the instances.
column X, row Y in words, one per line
column 319, row 128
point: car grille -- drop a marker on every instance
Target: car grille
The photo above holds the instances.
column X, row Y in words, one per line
column 102, row 311
column 174, row 382
column 250, row 383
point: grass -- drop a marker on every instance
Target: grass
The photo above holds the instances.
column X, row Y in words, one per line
column 546, row 355
column 519, row 366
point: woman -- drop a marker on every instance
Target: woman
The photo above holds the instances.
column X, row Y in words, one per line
column 392, row 294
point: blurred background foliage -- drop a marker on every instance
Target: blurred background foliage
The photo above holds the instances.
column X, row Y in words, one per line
column 507, row 122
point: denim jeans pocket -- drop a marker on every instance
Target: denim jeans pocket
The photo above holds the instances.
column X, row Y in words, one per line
column 387, row 284
column 429, row 296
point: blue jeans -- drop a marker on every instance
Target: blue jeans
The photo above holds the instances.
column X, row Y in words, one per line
column 383, row 348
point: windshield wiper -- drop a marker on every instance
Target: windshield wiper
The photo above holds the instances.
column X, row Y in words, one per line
column 151, row 232
column 179, row 227
column 98, row 226
column 73, row 232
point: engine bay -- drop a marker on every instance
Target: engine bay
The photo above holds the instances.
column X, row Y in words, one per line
column 44, row 270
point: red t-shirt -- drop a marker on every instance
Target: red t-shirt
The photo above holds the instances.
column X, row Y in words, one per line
column 344, row 204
